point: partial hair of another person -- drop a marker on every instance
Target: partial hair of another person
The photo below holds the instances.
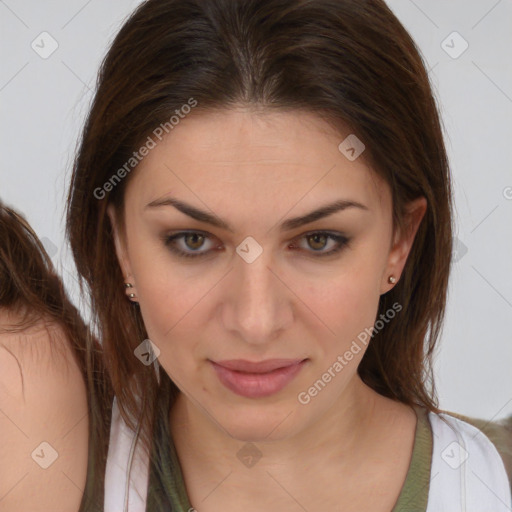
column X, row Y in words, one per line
column 351, row 63
column 32, row 292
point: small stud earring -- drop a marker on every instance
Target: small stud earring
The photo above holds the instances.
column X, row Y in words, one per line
column 392, row 279
column 130, row 295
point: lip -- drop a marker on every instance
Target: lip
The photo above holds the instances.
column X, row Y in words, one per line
column 257, row 379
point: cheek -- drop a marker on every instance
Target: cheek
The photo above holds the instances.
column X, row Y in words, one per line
column 346, row 305
column 169, row 318
column 171, row 303
column 157, row 293
column 167, row 306
column 165, row 294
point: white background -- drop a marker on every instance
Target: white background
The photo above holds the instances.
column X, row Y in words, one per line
column 43, row 103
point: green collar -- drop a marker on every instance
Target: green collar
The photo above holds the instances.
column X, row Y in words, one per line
column 167, row 489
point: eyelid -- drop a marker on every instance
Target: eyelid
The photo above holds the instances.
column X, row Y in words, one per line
column 342, row 241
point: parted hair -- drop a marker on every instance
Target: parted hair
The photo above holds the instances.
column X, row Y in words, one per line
column 350, row 62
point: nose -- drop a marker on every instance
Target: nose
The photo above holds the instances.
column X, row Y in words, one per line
column 258, row 305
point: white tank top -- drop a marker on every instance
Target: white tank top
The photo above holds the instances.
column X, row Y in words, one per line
column 467, row 472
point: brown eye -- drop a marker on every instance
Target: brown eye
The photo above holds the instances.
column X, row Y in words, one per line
column 317, row 241
column 188, row 244
column 193, row 241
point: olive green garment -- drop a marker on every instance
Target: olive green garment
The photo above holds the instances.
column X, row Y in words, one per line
column 167, row 490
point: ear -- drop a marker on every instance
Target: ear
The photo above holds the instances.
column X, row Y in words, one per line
column 402, row 242
column 120, row 242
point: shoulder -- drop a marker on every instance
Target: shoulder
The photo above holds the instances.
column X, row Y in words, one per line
column 43, row 420
column 499, row 432
column 472, row 455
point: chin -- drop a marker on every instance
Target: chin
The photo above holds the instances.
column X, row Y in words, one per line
column 258, row 423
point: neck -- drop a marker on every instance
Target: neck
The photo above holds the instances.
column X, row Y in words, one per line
column 354, row 457
column 341, row 433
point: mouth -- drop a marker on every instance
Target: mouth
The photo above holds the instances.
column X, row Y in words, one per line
column 257, row 379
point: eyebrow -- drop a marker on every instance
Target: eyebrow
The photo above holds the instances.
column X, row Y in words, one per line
column 287, row 225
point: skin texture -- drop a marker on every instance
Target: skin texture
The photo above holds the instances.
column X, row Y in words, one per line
column 42, row 399
column 254, row 170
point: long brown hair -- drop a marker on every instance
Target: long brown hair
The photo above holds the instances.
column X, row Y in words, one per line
column 350, row 62
column 33, row 292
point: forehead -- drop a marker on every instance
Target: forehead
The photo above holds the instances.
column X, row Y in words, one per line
column 260, row 155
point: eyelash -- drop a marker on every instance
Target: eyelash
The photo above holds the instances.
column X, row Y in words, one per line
column 342, row 242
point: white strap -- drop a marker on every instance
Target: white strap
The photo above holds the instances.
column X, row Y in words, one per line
column 468, row 474
column 124, row 494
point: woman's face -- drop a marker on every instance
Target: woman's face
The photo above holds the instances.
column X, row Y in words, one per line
column 241, row 269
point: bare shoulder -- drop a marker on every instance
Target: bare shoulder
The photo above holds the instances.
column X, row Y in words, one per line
column 43, row 421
